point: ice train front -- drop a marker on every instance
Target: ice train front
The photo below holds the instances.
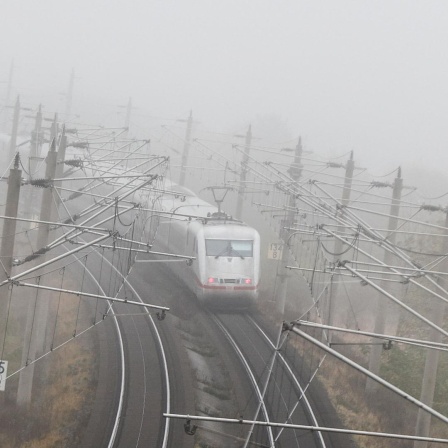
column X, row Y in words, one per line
column 229, row 265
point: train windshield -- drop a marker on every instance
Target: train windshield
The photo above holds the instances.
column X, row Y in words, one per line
column 229, row 248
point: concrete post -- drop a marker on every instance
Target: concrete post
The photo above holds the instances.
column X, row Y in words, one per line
column 183, row 167
column 423, row 425
column 15, row 125
column 35, row 339
column 33, row 160
column 36, row 139
column 338, row 246
column 8, row 96
column 127, row 120
column 60, row 167
column 244, row 163
column 69, row 96
column 9, row 225
column 295, row 171
column 382, row 308
column 47, row 197
column 54, row 129
column 8, row 239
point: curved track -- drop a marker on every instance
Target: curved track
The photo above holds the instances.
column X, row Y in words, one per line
column 282, row 394
column 289, row 395
column 152, row 349
column 141, row 369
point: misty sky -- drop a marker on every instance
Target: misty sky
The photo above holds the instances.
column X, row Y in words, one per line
column 369, row 76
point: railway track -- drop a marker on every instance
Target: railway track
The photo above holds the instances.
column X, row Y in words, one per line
column 281, row 397
column 135, row 420
column 153, row 369
column 269, row 387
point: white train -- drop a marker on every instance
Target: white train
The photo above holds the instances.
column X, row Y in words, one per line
column 226, row 270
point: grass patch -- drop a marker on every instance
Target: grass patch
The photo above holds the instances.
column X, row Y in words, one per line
column 63, row 392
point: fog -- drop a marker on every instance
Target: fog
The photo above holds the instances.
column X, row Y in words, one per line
column 345, row 75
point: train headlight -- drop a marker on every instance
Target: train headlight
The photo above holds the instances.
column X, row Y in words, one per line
column 248, row 281
column 213, row 280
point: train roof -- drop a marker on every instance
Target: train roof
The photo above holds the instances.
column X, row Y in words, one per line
column 183, row 202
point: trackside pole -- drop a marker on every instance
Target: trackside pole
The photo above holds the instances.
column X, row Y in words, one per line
column 36, row 140
column 54, row 128
column 9, row 225
column 59, row 170
column 7, row 243
column 295, row 171
column 381, row 308
column 244, row 163
column 8, row 96
column 423, row 425
column 69, row 96
column 15, row 125
column 183, row 168
column 47, row 197
column 35, row 342
column 338, row 245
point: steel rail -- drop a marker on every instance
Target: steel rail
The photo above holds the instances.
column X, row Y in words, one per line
column 249, row 372
column 123, row 364
column 296, row 381
column 163, row 356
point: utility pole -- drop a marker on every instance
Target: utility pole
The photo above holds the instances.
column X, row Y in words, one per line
column 295, row 171
column 36, row 140
column 244, row 165
column 183, row 167
column 60, row 168
column 8, row 95
column 338, row 246
column 15, row 126
column 54, row 129
column 35, row 342
column 127, row 122
column 33, row 160
column 47, row 197
column 423, row 425
column 69, row 96
column 8, row 238
column 9, row 225
column 127, row 119
column 381, row 307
